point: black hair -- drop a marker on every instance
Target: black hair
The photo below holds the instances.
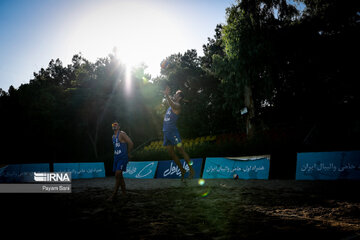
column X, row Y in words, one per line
column 117, row 122
column 181, row 94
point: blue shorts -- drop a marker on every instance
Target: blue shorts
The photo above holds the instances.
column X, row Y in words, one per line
column 120, row 164
column 172, row 138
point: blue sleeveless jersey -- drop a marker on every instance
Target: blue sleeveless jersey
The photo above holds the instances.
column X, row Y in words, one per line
column 170, row 120
column 120, row 149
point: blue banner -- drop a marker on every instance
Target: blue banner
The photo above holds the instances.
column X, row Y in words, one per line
column 82, row 170
column 21, row 172
column 254, row 167
column 328, row 165
column 169, row 169
column 140, row 170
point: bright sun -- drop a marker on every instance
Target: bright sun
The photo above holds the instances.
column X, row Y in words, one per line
column 141, row 33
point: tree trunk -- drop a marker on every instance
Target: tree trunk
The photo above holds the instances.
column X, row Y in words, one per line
column 249, row 103
column 94, row 139
column 93, row 142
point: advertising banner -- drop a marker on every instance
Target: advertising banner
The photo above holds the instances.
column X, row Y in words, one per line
column 328, row 165
column 168, row 169
column 16, row 173
column 82, row 170
column 140, row 169
column 253, row 167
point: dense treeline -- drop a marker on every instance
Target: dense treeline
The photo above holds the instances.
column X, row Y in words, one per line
column 295, row 69
column 65, row 113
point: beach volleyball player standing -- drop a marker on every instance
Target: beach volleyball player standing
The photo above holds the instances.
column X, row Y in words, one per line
column 122, row 148
column 172, row 137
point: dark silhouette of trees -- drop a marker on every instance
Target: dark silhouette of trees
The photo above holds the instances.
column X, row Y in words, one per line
column 295, row 69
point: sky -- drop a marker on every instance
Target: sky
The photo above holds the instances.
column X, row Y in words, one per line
column 32, row 32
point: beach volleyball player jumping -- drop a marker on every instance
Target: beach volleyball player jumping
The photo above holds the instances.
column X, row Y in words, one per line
column 122, row 148
column 172, row 138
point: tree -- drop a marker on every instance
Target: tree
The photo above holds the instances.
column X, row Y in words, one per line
column 214, row 46
column 65, row 113
column 202, row 107
column 3, row 93
column 246, row 70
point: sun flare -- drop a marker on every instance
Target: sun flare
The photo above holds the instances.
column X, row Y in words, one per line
column 141, row 33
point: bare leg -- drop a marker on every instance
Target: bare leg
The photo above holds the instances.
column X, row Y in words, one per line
column 122, row 183
column 176, row 160
column 119, row 181
column 187, row 159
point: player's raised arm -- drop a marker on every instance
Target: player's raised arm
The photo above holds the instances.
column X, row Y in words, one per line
column 174, row 105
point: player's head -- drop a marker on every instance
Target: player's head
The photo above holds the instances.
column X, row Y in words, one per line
column 179, row 96
column 115, row 125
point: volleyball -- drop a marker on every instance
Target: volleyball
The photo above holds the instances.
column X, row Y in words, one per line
column 164, row 64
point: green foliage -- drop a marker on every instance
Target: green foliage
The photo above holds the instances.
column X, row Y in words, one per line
column 293, row 68
column 65, row 113
column 248, row 62
column 226, row 145
column 202, row 109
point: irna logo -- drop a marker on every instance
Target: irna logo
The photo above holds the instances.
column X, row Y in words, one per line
column 52, row 177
